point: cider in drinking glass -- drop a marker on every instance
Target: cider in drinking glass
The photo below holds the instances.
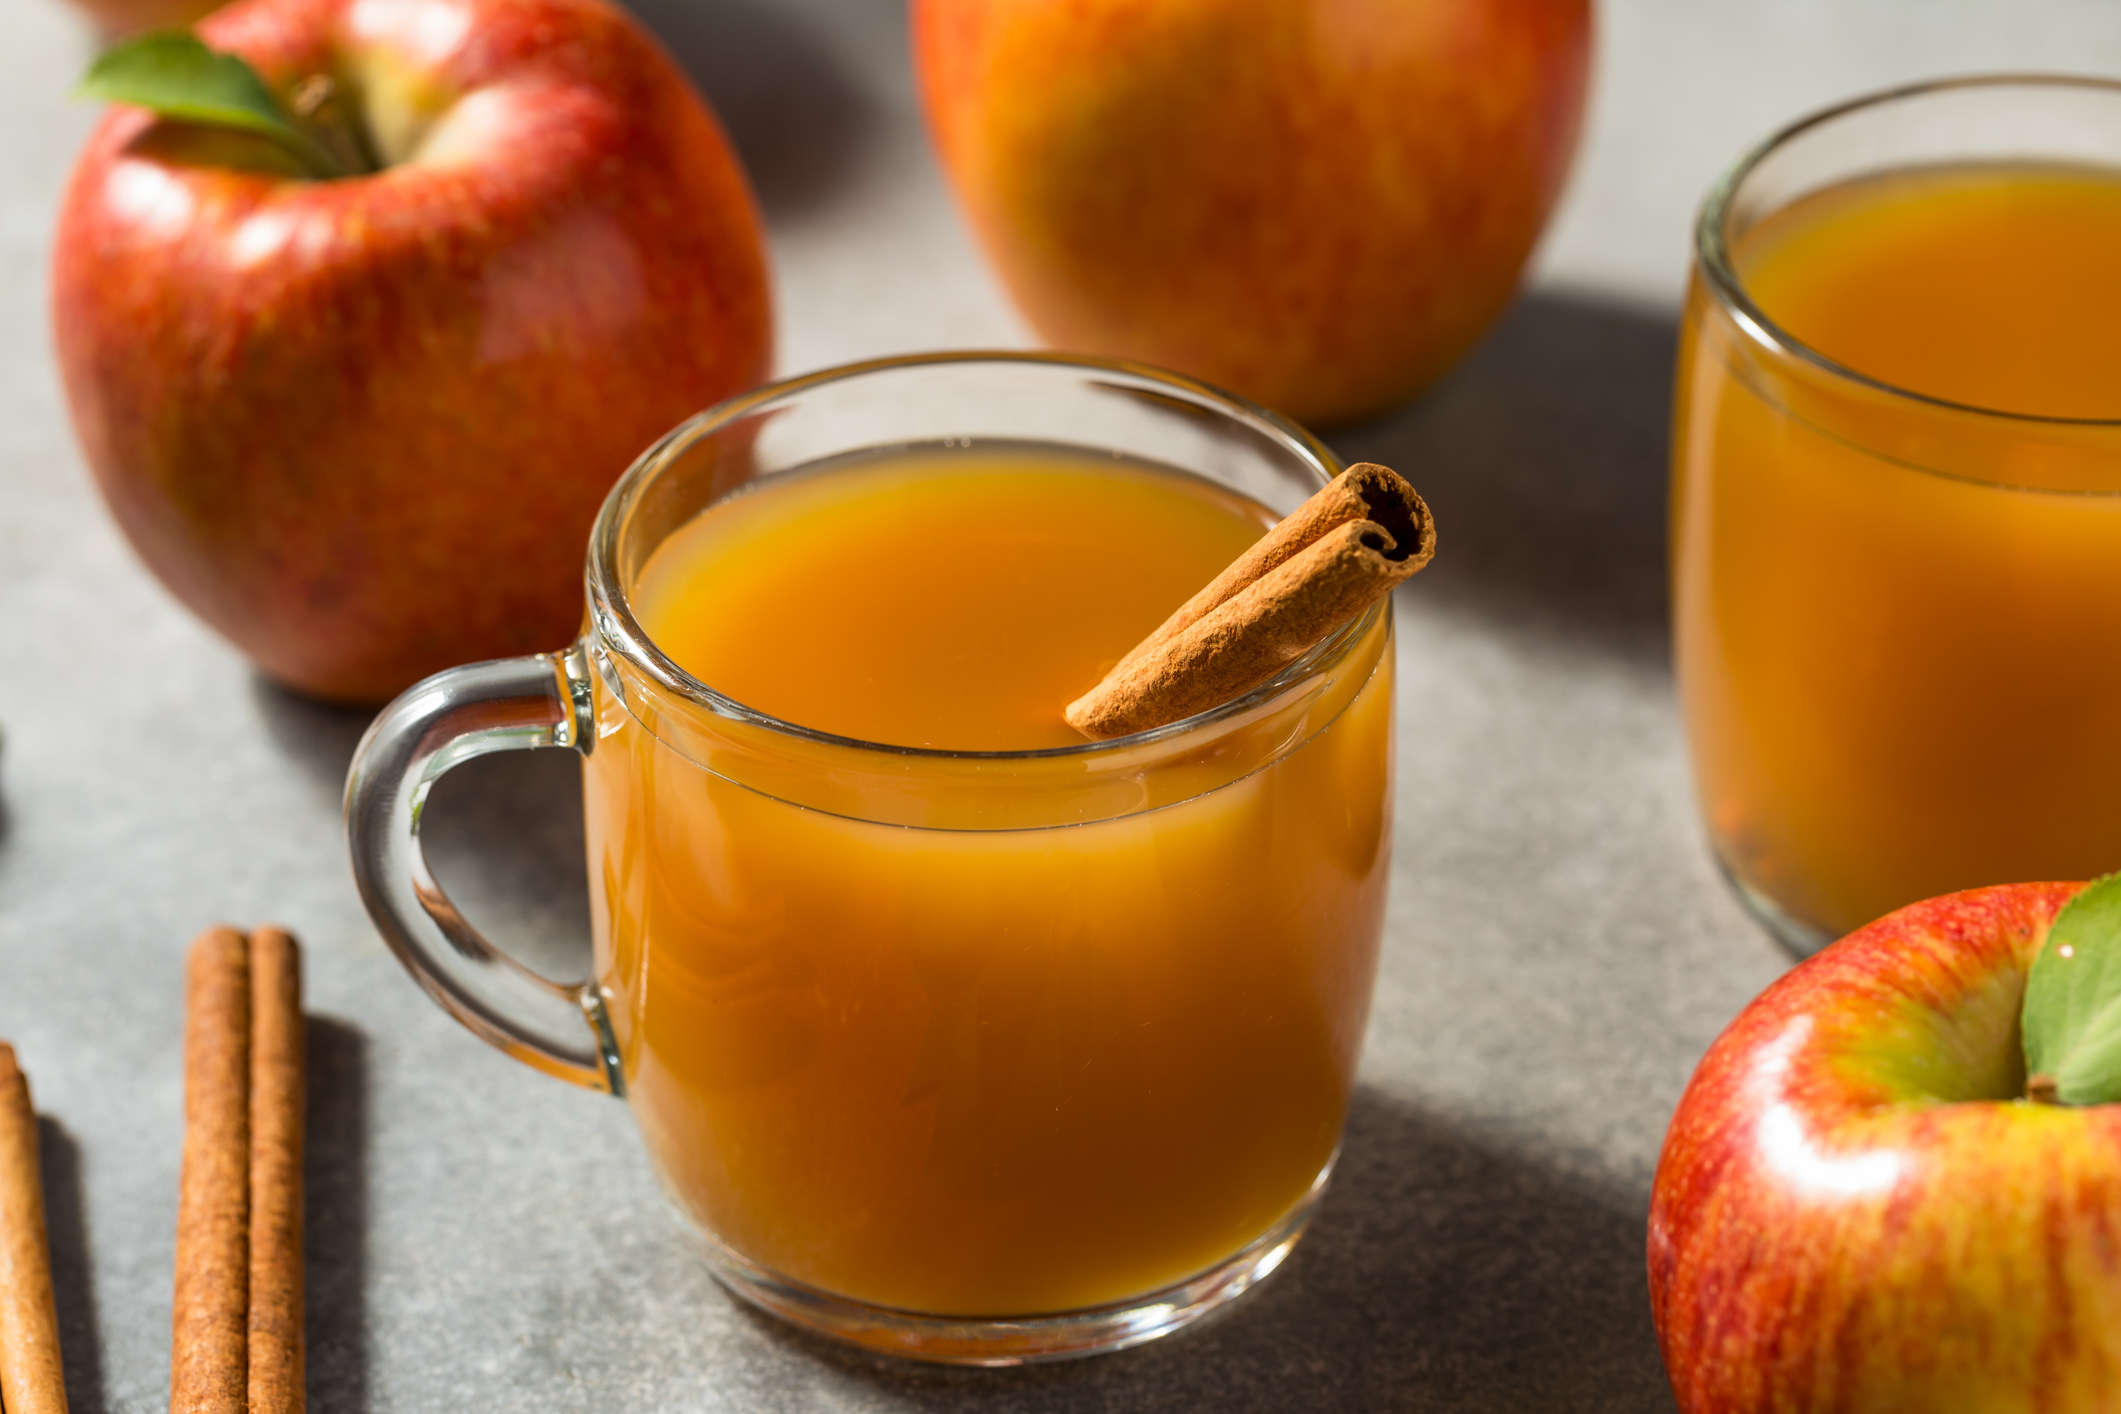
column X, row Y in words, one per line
column 1896, row 503
column 980, row 1054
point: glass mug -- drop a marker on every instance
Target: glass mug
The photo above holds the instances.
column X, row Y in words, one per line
column 1897, row 618
column 980, row 1057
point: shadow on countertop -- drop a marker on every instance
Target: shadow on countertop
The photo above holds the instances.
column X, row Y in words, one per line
column 1544, row 456
column 504, row 837
column 5, row 822
column 335, row 1218
column 73, row 1278
column 1442, row 1273
column 318, row 737
column 796, row 119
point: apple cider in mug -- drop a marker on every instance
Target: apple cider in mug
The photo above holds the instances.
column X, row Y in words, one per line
column 1898, row 615
column 966, row 1032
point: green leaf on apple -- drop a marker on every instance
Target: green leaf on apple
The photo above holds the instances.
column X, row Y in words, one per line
column 2072, row 1017
column 173, row 73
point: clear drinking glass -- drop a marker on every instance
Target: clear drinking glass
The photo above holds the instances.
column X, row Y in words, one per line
column 980, row 1057
column 1897, row 618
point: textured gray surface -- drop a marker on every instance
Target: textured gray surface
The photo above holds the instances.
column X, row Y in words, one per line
column 485, row 1239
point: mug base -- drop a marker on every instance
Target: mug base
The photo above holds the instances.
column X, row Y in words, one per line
column 1017, row 1340
column 1800, row 938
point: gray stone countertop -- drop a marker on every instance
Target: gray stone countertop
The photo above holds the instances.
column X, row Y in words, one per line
column 1559, row 952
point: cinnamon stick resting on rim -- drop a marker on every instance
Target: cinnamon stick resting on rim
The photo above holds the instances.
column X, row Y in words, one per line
column 237, row 1337
column 1319, row 566
column 31, row 1381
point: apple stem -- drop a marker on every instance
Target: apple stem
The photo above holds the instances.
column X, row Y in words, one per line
column 2042, row 1090
column 316, row 103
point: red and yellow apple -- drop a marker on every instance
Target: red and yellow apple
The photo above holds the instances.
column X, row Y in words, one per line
column 1317, row 203
column 117, row 18
column 361, row 425
column 1855, row 1209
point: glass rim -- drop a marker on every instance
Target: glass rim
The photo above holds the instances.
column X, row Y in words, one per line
column 1712, row 252
column 612, row 620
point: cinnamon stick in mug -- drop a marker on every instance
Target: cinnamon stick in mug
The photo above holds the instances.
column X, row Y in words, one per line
column 31, row 1380
column 1322, row 564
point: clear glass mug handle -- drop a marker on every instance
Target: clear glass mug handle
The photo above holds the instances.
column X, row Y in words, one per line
column 437, row 724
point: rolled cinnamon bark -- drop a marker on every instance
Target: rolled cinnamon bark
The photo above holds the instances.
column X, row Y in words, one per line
column 208, row 1357
column 1317, row 568
column 31, row 1379
column 277, row 1093
column 1365, row 491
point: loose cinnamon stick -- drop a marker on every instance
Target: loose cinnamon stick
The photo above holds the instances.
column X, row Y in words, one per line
column 208, row 1360
column 277, row 1092
column 1332, row 557
column 31, row 1380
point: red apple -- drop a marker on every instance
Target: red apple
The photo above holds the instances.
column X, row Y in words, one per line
column 1317, row 203
column 115, row 18
column 1856, row 1211
column 361, row 425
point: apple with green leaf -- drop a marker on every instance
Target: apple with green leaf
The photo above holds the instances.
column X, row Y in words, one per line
column 1873, row 1197
column 362, row 313
column 1317, row 203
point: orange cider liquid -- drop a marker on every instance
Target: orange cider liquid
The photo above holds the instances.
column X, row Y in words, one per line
column 957, row 1037
column 1899, row 624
